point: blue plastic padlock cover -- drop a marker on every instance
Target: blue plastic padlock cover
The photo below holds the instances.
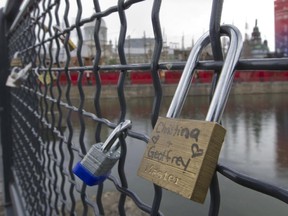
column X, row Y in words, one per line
column 86, row 176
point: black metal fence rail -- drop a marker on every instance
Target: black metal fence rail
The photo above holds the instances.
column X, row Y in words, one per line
column 43, row 154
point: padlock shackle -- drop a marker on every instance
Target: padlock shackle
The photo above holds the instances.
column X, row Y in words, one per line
column 112, row 138
column 16, row 54
column 186, row 77
column 225, row 80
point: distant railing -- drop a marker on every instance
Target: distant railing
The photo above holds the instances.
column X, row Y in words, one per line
column 40, row 154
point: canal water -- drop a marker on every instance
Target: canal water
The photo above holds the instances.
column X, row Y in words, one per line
column 256, row 144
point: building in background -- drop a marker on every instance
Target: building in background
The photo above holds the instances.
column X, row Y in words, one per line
column 88, row 38
column 281, row 27
column 253, row 47
column 89, row 49
column 140, row 50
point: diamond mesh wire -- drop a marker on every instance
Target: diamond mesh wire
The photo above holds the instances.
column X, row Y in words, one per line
column 43, row 152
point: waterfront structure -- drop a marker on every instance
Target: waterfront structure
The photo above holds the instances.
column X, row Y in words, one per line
column 253, row 47
column 88, row 38
column 140, row 50
column 281, row 27
column 88, row 48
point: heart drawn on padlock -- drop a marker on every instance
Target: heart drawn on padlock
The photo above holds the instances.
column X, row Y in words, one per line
column 196, row 151
column 155, row 139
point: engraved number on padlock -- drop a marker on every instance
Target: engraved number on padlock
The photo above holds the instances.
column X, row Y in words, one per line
column 96, row 166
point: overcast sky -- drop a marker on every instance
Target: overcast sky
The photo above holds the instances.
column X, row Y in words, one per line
column 186, row 17
column 191, row 18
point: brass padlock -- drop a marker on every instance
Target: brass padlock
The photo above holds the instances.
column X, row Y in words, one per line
column 182, row 154
column 71, row 45
column 45, row 77
column 16, row 61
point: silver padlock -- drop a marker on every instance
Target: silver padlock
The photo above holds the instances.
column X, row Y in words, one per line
column 10, row 82
column 95, row 167
column 17, row 76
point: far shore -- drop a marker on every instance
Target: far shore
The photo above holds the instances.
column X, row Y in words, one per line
column 147, row 90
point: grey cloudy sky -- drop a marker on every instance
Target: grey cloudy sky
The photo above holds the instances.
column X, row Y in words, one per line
column 186, row 17
column 191, row 18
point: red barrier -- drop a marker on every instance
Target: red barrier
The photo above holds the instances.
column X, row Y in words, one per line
column 204, row 76
column 141, row 78
column 200, row 76
column 243, row 76
column 109, row 78
column 280, row 76
column 74, row 77
column 237, row 77
column 63, row 78
column 88, row 78
column 172, row 77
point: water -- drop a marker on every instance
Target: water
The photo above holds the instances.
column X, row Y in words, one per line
column 255, row 145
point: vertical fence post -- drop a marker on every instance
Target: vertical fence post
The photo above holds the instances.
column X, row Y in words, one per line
column 214, row 31
column 7, row 16
column 5, row 123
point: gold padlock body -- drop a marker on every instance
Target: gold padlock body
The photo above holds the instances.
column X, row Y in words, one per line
column 182, row 155
column 16, row 62
column 48, row 78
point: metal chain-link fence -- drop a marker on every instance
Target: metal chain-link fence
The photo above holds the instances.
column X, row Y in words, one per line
column 43, row 112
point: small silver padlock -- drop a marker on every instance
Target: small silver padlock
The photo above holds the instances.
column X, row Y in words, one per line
column 10, row 82
column 95, row 167
column 18, row 75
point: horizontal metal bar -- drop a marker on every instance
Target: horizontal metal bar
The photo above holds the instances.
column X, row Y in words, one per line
column 250, row 64
column 254, row 184
column 243, row 64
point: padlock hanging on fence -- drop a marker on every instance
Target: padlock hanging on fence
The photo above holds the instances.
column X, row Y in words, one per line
column 16, row 61
column 18, row 76
column 45, row 77
column 70, row 43
column 96, row 165
column 182, row 154
column 41, row 25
